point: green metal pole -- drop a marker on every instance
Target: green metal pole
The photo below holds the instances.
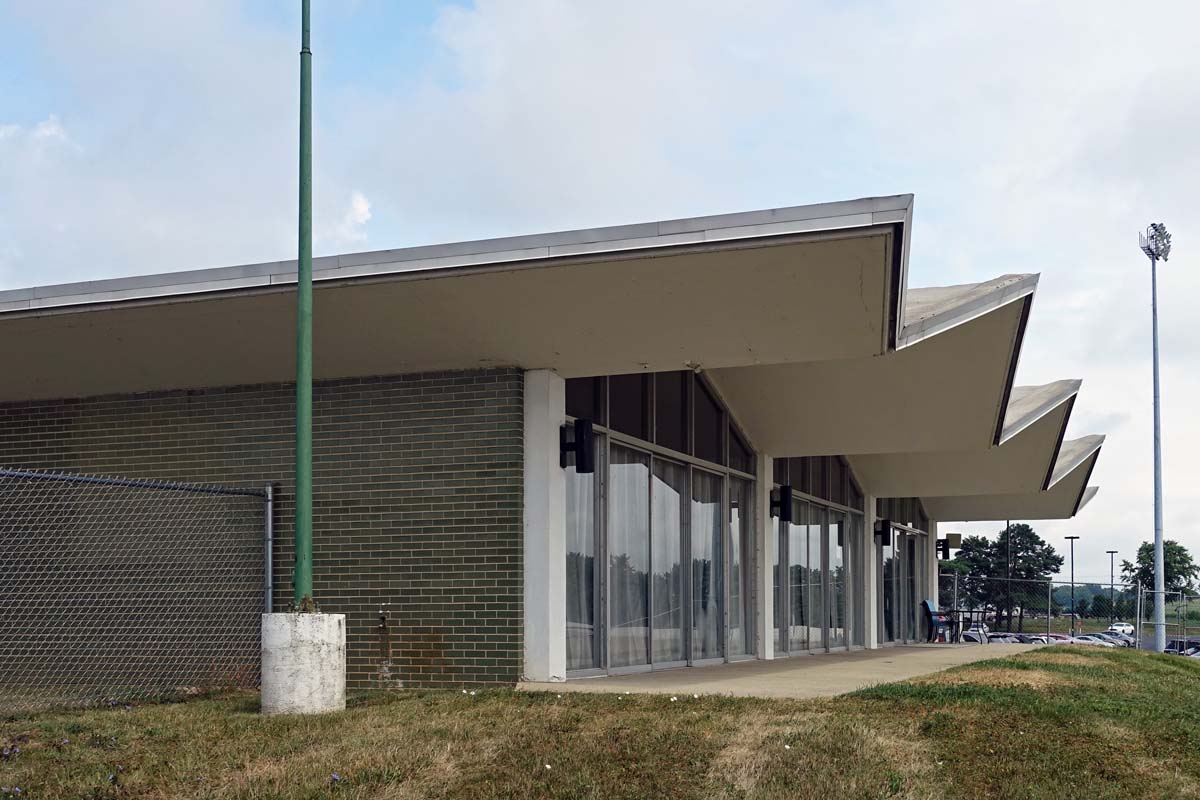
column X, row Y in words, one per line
column 302, row 576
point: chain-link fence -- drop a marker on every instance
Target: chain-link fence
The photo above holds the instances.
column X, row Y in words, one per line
column 114, row 589
column 1182, row 617
column 1013, row 605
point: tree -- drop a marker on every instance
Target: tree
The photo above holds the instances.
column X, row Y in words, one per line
column 1081, row 606
column 1102, row 605
column 1017, row 553
column 1179, row 571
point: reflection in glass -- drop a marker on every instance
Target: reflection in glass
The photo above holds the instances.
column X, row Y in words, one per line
column 911, row 598
column 741, row 569
column 855, row 607
column 780, row 621
column 889, row 590
column 628, row 557
column 666, row 532
column 799, row 570
column 582, row 650
column 836, row 618
column 707, row 528
column 815, row 582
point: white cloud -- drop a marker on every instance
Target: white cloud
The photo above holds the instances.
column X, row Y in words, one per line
column 350, row 230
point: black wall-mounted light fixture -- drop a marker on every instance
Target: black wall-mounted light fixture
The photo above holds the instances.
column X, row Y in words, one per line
column 883, row 532
column 953, row 541
column 782, row 507
column 582, row 444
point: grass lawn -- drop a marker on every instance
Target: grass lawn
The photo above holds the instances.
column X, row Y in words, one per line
column 1061, row 722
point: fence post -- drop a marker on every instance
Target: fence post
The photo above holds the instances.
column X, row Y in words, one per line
column 1049, row 605
column 1137, row 618
column 268, row 547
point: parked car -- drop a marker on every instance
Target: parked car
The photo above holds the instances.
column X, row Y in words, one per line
column 974, row 636
column 1181, row 645
column 1122, row 627
column 1115, row 638
column 1092, row 639
column 1058, row 638
column 1030, row 638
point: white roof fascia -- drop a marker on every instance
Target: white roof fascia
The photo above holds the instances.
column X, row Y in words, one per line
column 507, row 253
column 1028, row 404
column 1072, row 454
column 931, row 310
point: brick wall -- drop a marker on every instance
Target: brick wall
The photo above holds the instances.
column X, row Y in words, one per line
column 418, row 487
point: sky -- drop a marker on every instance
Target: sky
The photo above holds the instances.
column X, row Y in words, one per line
column 148, row 136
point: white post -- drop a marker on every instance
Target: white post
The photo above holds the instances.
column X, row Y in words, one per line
column 545, row 529
column 303, row 663
column 870, row 573
column 767, row 544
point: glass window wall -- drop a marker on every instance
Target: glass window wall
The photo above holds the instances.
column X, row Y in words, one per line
column 629, row 558
column 741, row 569
column 660, row 541
column 666, row 535
column 800, row 568
column 583, row 614
column 708, row 567
column 836, row 576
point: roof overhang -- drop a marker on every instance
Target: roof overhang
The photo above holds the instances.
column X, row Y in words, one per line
column 785, row 285
column 1068, row 493
column 946, row 389
column 1022, row 463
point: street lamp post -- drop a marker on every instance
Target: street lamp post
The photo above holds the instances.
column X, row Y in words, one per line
column 1156, row 244
column 1008, row 569
column 1072, row 539
column 1112, row 579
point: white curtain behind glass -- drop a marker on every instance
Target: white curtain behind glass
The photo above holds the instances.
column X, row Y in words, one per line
column 628, row 557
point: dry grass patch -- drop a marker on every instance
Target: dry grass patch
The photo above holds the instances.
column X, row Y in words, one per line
column 1042, row 726
column 997, row 676
column 823, row 754
column 1065, row 659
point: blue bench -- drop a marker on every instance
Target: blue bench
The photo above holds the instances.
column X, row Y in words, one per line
column 940, row 625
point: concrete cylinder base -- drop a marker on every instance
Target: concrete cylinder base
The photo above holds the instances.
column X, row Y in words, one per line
column 303, row 663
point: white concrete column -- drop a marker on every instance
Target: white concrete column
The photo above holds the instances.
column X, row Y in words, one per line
column 870, row 573
column 303, row 663
column 931, row 571
column 545, row 528
column 767, row 542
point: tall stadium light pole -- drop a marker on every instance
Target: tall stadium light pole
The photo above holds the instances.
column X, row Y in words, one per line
column 1072, row 539
column 302, row 576
column 1156, row 244
column 1112, row 585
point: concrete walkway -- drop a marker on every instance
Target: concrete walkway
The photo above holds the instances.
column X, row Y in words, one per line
column 822, row 675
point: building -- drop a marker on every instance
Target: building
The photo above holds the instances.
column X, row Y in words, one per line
column 719, row 360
